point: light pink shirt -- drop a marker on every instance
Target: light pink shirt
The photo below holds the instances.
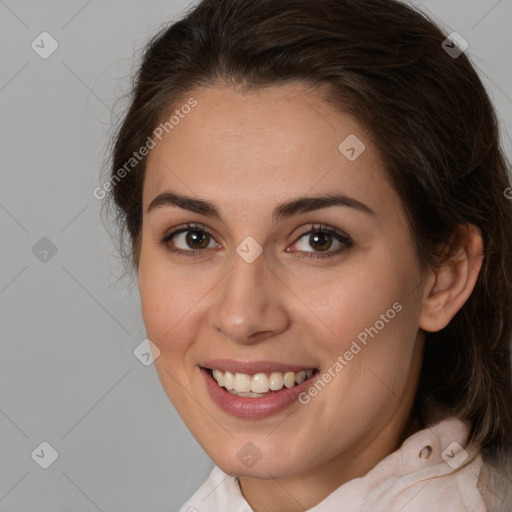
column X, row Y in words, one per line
column 431, row 471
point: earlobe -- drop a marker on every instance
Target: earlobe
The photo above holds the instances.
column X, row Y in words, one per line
column 449, row 286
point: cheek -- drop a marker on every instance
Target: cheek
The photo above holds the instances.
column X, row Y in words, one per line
column 166, row 298
column 375, row 321
column 371, row 294
column 373, row 311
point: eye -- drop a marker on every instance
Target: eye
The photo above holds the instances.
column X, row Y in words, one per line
column 321, row 238
column 191, row 237
column 194, row 238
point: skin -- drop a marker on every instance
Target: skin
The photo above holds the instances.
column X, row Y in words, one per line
column 247, row 153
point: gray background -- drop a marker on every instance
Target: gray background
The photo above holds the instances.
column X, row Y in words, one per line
column 69, row 326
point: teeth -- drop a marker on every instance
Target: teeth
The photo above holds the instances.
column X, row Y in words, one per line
column 229, row 380
column 251, row 395
column 219, row 377
column 242, row 383
column 276, row 381
column 289, row 379
column 259, row 384
column 300, row 377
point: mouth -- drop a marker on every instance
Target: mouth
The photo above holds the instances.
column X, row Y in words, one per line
column 261, row 384
column 255, row 390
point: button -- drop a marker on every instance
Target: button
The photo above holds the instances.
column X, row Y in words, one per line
column 425, row 452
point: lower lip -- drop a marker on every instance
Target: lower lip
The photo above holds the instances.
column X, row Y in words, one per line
column 245, row 407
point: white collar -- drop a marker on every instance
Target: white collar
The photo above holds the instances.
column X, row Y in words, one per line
column 430, row 471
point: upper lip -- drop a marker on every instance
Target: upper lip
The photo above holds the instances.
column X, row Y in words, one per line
column 252, row 367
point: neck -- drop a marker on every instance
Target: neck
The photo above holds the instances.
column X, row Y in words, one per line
column 304, row 491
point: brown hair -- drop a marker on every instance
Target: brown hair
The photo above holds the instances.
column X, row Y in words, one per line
column 429, row 116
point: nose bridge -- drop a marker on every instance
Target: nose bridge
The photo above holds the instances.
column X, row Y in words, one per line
column 248, row 302
column 245, row 279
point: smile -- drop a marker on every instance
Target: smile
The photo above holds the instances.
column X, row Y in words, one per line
column 255, row 390
column 259, row 384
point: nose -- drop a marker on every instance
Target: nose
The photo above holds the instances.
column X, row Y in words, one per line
column 250, row 303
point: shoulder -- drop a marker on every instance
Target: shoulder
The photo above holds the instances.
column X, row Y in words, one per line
column 494, row 483
column 431, row 470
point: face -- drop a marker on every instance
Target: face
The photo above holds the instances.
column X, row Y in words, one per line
column 327, row 290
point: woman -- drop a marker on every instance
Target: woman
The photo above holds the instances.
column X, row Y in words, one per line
column 315, row 201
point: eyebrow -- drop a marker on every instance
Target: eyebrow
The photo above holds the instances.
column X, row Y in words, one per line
column 282, row 211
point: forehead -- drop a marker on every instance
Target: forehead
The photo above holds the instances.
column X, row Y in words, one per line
column 259, row 147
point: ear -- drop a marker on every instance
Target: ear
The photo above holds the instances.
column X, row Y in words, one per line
column 449, row 286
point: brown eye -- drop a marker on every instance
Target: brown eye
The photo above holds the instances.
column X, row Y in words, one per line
column 188, row 240
column 321, row 239
column 197, row 239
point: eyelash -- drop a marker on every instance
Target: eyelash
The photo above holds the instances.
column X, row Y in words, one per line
column 320, row 228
